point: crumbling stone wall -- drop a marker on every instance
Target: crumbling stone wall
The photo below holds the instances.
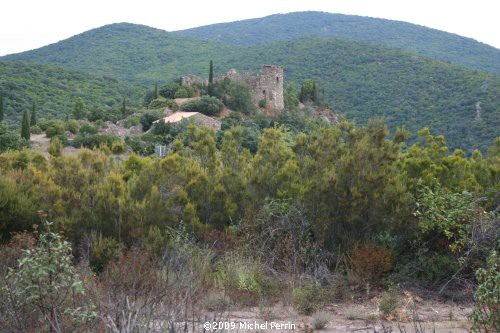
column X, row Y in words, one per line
column 267, row 85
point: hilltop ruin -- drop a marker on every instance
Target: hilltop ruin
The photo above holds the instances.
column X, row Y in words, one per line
column 266, row 86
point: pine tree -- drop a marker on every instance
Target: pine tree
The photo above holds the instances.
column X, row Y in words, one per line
column 33, row 114
column 211, row 78
column 25, row 126
column 1, row 107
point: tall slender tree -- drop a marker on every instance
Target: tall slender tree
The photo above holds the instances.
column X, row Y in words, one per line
column 314, row 93
column 123, row 109
column 211, row 78
column 25, row 126
column 155, row 94
column 1, row 106
column 33, row 114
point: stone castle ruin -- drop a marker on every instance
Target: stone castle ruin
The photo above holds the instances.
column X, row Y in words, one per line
column 266, row 86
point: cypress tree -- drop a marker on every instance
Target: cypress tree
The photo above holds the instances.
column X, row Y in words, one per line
column 25, row 126
column 155, row 94
column 211, row 78
column 123, row 108
column 1, row 106
column 33, row 115
column 314, row 94
column 211, row 73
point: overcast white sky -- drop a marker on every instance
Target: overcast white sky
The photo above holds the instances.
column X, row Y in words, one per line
column 29, row 24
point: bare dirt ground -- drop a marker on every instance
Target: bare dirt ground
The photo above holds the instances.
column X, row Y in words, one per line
column 41, row 143
column 360, row 317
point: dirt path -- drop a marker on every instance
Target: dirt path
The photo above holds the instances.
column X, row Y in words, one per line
column 355, row 317
column 41, row 143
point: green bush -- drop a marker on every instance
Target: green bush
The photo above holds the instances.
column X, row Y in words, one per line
column 88, row 129
column 45, row 289
column 389, row 302
column 133, row 121
column 235, row 95
column 94, row 141
column 102, row 251
column 181, row 93
column 73, row 126
column 148, row 118
column 118, row 147
column 54, row 128
column 242, row 278
column 207, row 105
column 169, row 90
column 307, row 298
column 159, row 102
column 35, row 129
column 486, row 314
column 55, row 147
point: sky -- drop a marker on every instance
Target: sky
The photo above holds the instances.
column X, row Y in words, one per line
column 29, row 24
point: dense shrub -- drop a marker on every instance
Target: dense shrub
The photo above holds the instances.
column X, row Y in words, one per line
column 55, row 147
column 370, row 262
column 148, row 118
column 486, row 314
column 169, row 90
column 94, row 141
column 88, row 129
column 181, row 93
column 133, row 121
column 307, row 297
column 45, row 290
column 103, row 250
column 10, row 139
column 54, row 128
column 35, row 129
column 235, row 95
column 207, row 105
column 72, row 125
column 118, row 147
column 17, row 210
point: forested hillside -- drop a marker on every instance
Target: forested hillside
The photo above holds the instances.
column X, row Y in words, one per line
column 55, row 90
column 360, row 80
column 124, row 51
column 364, row 82
column 409, row 37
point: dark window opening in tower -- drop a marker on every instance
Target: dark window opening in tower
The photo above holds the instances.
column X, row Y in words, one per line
column 277, row 80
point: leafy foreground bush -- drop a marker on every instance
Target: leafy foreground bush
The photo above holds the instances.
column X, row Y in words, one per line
column 486, row 314
column 136, row 291
column 45, row 291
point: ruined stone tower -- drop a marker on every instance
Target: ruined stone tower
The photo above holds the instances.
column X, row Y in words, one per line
column 266, row 86
column 269, row 87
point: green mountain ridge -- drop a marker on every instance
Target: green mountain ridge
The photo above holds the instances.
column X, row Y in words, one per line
column 409, row 37
column 360, row 80
column 55, row 90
